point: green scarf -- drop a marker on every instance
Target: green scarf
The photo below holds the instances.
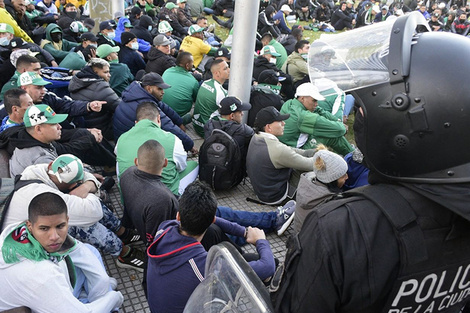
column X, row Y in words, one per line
column 21, row 242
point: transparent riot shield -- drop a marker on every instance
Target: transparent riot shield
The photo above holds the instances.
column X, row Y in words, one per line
column 352, row 59
column 230, row 285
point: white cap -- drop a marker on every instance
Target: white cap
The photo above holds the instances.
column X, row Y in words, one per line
column 308, row 90
column 286, row 8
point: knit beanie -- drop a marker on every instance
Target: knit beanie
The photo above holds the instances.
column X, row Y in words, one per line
column 328, row 166
column 126, row 37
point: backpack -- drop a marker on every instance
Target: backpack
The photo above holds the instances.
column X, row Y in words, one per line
column 220, row 161
column 7, row 188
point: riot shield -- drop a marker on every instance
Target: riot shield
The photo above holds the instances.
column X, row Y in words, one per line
column 230, row 285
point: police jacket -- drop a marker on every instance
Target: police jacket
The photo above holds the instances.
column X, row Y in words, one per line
column 353, row 256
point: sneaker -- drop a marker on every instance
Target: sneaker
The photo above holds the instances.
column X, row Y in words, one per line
column 130, row 237
column 285, row 217
column 135, row 260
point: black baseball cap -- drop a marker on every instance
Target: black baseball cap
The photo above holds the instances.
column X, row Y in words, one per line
column 223, row 52
column 154, row 79
column 89, row 36
column 269, row 115
column 270, row 77
column 232, row 104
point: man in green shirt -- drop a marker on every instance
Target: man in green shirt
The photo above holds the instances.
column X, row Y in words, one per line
column 310, row 124
column 179, row 172
column 121, row 76
column 267, row 39
column 184, row 86
column 209, row 96
column 25, row 63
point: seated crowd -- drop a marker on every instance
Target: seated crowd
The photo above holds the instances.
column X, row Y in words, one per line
column 119, row 96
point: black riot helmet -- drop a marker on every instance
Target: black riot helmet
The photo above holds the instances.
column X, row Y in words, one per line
column 416, row 120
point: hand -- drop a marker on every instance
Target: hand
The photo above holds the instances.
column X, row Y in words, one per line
column 99, row 177
column 97, row 133
column 140, row 53
column 92, row 53
column 304, row 9
column 96, row 105
column 54, row 63
column 254, row 234
column 224, row 11
column 183, row 128
column 194, row 151
column 84, row 189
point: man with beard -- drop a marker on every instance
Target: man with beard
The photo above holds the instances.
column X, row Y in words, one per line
column 151, row 88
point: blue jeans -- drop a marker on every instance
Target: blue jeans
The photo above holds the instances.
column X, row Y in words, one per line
column 348, row 105
column 208, row 11
column 263, row 220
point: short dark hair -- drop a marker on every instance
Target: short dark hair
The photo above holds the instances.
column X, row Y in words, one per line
column 25, row 60
column 147, row 110
column 183, row 58
column 151, row 155
column 300, row 44
column 267, row 35
column 12, row 99
column 197, row 207
column 215, row 63
column 200, row 17
column 297, row 33
column 46, row 204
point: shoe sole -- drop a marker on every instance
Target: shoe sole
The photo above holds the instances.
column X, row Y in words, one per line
column 128, row 266
column 286, row 225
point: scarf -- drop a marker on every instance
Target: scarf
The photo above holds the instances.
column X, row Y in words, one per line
column 21, row 242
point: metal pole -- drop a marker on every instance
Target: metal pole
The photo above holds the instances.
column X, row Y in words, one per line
column 244, row 38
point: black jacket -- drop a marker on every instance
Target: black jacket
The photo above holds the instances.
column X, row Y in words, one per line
column 87, row 85
column 141, row 30
column 158, row 61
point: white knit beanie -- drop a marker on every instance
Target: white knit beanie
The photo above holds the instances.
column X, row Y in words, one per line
column 334, row 166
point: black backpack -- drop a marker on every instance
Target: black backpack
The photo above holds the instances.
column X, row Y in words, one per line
column 220, row 161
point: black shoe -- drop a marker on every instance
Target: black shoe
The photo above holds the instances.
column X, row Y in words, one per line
column 130, row 237
column 135, row 260
column 107, row 184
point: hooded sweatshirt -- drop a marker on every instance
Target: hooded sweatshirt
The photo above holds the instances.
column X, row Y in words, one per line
column 59, row 50
column 125, row 116
column 176, row 265
column 83, row 212
column 87, row 85
column 144, row 46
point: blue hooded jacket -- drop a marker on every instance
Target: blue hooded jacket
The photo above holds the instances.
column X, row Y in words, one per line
column 125, row 116
column 144, row 46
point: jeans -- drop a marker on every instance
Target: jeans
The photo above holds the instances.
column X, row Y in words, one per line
column 348, row 105
column 263, row 220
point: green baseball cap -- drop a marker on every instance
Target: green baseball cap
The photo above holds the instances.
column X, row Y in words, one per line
column 6, row 28
column 104, row 50
column 195, row 29
column 128, row 25
column 42, row 114
column 170, row 5
column 67, row 168
column 270, row 50
column 31, row 78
